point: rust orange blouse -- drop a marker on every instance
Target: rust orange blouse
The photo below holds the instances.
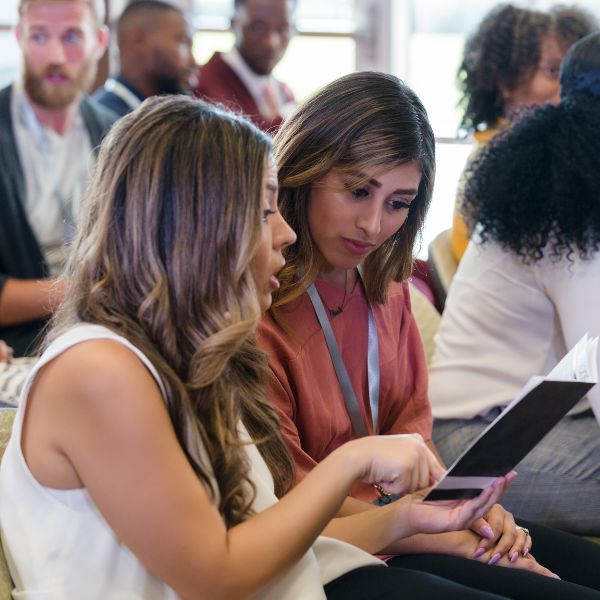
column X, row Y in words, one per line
column 304, row 386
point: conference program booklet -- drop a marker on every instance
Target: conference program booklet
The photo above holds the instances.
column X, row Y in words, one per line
column 538, row 407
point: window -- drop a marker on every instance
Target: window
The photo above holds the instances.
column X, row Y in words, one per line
column 435, row 46
column 9, row 50
column 8, row 12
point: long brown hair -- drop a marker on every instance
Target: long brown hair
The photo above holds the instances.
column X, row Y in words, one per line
column 170, row 226
column 361, row 124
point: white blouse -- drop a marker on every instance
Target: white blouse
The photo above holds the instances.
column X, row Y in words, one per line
column 58, row 545
column 505, row 321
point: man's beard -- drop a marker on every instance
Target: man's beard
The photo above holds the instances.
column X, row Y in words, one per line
column 165, row 78
column 51, row 96
column 169, row 85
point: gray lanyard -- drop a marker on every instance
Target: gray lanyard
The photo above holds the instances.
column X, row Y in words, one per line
column 350, row 399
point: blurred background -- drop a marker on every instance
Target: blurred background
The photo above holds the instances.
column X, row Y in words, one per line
column 420, row 41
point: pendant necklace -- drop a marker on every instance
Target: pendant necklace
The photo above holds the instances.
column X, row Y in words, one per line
column 334, row 312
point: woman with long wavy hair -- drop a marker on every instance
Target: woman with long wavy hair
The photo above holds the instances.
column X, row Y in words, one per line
column 356, row 168
column 145, row 460
column 527, row 290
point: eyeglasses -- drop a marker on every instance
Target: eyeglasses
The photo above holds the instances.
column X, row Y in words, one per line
column 550, row 70
column 259, row 29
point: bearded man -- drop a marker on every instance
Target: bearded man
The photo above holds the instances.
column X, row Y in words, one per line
column 49, row 131
column 155, row 55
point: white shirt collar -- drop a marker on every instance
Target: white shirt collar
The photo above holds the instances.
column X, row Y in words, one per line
column 256, row 85
column 253, row 81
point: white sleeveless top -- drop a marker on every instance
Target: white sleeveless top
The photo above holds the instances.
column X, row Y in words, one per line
column 58, row 545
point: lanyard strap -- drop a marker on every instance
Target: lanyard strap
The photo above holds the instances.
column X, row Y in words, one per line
column 350, row 399
column 123, row 92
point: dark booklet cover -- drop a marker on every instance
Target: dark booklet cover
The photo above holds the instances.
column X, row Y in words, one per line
column 505, row 442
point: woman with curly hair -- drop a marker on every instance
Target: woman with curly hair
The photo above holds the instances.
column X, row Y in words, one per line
column 510, row 62
column 526, row 290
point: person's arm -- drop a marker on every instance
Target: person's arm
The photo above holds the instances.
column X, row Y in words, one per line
column 23, row 300
column 373, row 529
column 574, row 292
column 97, row 419
column 496, row 531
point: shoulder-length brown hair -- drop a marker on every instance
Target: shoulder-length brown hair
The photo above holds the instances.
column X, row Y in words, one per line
column 361, row 124
column 171, row 223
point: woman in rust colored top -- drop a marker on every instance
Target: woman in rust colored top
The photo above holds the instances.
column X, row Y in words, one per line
column 356, row 167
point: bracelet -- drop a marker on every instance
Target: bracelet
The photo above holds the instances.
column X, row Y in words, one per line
column 384, row 496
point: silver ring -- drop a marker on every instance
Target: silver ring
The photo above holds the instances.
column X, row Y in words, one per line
column 524, row 529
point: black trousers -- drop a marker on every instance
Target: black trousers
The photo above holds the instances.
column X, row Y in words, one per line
column 575, row 559
column 381, row 583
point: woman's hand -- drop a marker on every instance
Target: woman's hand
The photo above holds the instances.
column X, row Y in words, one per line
column 400, row 464
column 453, row 515
column 501, row 536
column 525, row 563
column 467, row 542
column 6, row 352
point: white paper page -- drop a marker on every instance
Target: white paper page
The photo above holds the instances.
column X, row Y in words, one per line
column 579, row 364
column 592, row 359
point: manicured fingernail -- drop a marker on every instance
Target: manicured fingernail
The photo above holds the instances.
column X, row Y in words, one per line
column 486, row 532
column 514, row 556
column 525, row 552
column 494, row 559
column 478, row 553
column 554, row 575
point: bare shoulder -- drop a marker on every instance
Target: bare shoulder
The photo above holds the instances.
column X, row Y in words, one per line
column 101, row 384
column 95, row 399
column 94, row 371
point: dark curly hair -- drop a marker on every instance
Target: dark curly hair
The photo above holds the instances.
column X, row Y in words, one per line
column 535, row 188
column 504, row 50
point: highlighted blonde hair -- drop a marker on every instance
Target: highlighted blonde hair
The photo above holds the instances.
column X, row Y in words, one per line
column 171, row 224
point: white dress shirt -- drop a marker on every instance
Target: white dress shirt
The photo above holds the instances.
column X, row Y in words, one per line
column 56, row 170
